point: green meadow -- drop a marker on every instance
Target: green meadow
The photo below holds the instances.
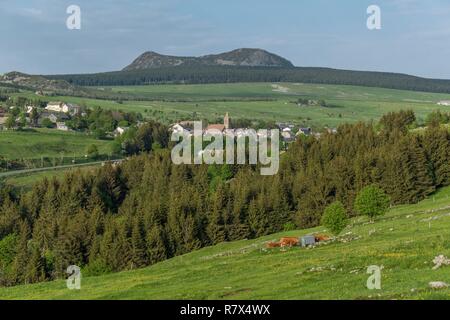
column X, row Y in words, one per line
column 47, row 143
column 264, row 101
column 403, row 244
column 346, row 104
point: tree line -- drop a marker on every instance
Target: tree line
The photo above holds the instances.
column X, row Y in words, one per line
column 233, row 74
column 147, row 209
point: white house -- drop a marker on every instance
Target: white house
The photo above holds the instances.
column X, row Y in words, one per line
column 287, row 136
column 120, row 130
column 444, row 103
column 57, row 107
column 181, row 128
column 3, row 119
column 62, row 126
column 63, row 107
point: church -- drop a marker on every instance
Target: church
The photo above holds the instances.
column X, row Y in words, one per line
column 220, row 127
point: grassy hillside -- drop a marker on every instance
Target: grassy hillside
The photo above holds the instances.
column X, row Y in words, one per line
column 229, row 74
column 404, row 242
column 264, row 101
column 271, row 90
column 47, row 143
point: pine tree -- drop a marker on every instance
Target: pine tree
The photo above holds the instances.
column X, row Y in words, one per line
column 258, row 217
column 416, row 178
column 44, row 231
column 215, row 228
column 437, row 146
column 156, row 248
column 278, row 205
column 138, row 254
column 20, row 262
column 35, row 270
column 96, row 221
column 183, row 227
column 239, row 200
column 9, row 218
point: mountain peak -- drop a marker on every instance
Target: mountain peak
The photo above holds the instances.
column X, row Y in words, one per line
column 239, row 57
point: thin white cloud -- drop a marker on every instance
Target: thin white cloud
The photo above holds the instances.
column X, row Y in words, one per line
column 30, row 12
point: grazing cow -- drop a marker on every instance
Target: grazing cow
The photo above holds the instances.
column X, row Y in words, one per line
column 289, row 241
column 273, row 245
column 321, row 237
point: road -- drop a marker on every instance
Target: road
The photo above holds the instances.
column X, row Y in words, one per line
column 20, row 172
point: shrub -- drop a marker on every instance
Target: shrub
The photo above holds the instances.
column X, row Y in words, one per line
column 335, row 218
column 8, row 249
column 92, row 151
column 46, row 123
column 372, row 201
column 289, row 226
column 96, row 268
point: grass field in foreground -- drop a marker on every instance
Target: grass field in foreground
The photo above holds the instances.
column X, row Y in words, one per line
column 168, row 103
column 47, row 143
column 404, row 243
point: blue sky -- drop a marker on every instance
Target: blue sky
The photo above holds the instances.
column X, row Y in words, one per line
column 414, row 39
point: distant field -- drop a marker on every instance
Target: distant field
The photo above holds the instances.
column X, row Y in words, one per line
column 271, row 90
column 403, row 243
column 266, row 101
column 346, row 103
column 47, row 143
column 198, row 92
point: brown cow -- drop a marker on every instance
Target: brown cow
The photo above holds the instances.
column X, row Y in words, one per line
column 289, row 241
column 321, row 237
column 273, row 244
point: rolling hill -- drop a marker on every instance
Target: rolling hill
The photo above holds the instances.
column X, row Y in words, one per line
column 260, row 102
column 38, row 83
column 185, row 74
column 237, row 66
column 403, row 243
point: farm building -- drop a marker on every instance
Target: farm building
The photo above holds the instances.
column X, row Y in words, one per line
column 120, row 130
column 305, row 131
column 186, row 127
column 287, row 136
column 63, row 107
column 3, row 117
column 53, row 117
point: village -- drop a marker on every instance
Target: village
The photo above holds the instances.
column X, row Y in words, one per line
column 53, row 115
column 65, row 116
column 289, row 132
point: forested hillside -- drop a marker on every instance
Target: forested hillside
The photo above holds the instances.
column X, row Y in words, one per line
column 229, row 74
column 147, row 209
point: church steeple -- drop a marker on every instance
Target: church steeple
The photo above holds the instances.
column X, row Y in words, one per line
column 226, row 121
